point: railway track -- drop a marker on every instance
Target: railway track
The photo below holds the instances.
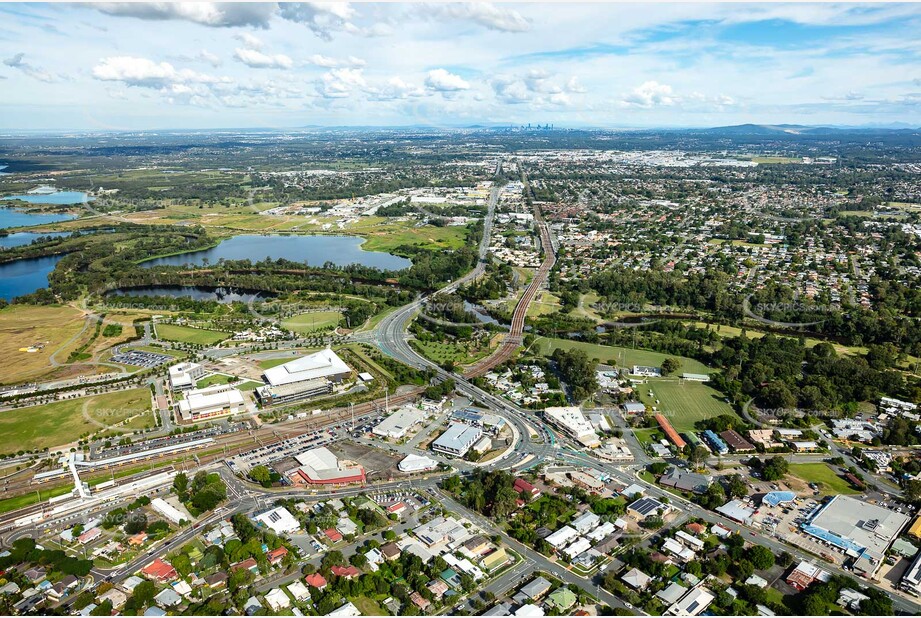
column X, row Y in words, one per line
column 512, row 341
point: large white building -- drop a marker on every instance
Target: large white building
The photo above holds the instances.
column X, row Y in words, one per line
column 217, row 400
column 279, row 520
column 399, row 423
column 303, row 377
column 457, row 439
column 571, row 420
column 183, row 376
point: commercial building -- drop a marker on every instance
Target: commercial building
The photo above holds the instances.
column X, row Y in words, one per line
column 571, row 421
column 303, row 377
column 911, row 580
column 685, row 481
column 320, row 467
column 457, row 439
column 280, row 520
column 168, row 510
column 714, row 442
column 736, row 442
column 217, row 400
column 398, row 424
column 416, row 463
column 183, row 376
column 861, row 530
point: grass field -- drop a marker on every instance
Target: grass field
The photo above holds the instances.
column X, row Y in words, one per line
column 683, row 403
column 623, row 357
column 216, row 378
column 368, row 607
column 456, row 352
column 543, row 303
column 275, row 362
column 184, row 334
column 312, row 321
column 49, row 328
column 829, row 482
column 55, row 424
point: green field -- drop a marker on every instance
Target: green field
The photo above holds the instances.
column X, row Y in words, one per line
column 456, row 352
column 623, row 357
column 184, row 334
column 683, row 403
column 312, row 321
column 55, row 424
column 829, row 482
column 215, row 378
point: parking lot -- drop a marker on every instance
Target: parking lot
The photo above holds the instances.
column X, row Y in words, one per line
column 139, row 358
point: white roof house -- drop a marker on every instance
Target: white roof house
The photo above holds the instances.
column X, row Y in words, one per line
column 168, row 510
column 277, row 599
column 279, row 520
column 322, row 364
column 299, row 591
column 562, row 537
column 585, row 522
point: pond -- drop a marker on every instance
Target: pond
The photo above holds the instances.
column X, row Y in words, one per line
column 312, row 250
column 21, row 277
column 58, row 198
column 222, row 295
column 18, row 239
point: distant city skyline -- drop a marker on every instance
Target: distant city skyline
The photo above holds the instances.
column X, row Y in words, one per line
column 148, row 66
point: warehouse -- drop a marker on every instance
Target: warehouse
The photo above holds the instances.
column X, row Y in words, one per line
column 217, row 400
column 308, row 376
column 320, row 467
column 457, row 439
column 398, row 424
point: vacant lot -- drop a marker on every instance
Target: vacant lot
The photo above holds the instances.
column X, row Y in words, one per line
column 185, row 334
column 683, row 402
column 45, row 329
column 828, row 480
column 59, row 423
column 312, row 321
column 621, row 357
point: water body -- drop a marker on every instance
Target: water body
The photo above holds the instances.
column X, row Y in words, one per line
column 25, row 276
column 59, row 198
column 10, row 217
column 222, row 295
column 312, row 250
column 18, row 239
column 480, row 313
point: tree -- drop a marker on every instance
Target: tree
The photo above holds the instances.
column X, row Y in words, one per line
column 181, row 486
column 761, row 557
column 137, row 522
column 261, row 474
column 670, row 365
column 143, row 594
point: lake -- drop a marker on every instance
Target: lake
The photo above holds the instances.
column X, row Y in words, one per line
column 313, row 250
column 223, row 295
column 25, row 276
column 18, row 239
column 59, row 198
column 10, row 217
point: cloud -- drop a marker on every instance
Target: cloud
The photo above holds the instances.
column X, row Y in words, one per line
column 339, row 83
column 249, row 40
column 213, row 14
column 328, row 62
column 536, row 86
column 323, row 18
column 484, row 14
column 18, row 62
column 396, row 88
column 255, row 59
column 445, row 81
column 145, row 73
column 650, row 94
column 212, row 59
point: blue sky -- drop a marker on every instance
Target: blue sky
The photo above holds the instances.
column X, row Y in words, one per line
column 210, row 65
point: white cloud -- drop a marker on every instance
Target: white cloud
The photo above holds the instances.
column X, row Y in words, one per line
column 210, row 58
column 650, row 94
column 396, row 88
column 339, row 83
column 18, row 62
column 213, row 14
column 323, row 18
column 484, row 14
column 329, row 62
column 258, row 60
column 146, row 73
column 445, row 81
column 250, row 41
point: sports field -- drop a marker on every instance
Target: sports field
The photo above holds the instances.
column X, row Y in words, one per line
column 312, row 321
column 829, row 482
column 185, row 334
column 59, row 423
column 683, row 402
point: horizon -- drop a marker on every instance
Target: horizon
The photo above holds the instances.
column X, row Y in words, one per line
column 214, row 66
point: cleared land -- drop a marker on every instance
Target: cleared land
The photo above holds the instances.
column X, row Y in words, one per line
column 185, row 334
column 62, row 422
column 312, row 321
column 45, row 328
column 829, row 482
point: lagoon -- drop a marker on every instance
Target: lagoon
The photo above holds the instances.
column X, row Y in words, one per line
column 18, row 239
column 21, row 277
column 312, row 250
column 59, row 198
column 10, row 217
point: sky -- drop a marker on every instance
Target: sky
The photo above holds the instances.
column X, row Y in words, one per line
column 203, row 65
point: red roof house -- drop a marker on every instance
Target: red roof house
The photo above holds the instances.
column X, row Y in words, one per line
column 277, row 555
column 348, row 572
column 316, row 580
column 333, row 535
column 160, row 571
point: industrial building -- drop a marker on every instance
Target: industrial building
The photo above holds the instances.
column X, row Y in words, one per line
column 319, row 466
column 416, row 463
column 308, row 376
column 217, row 400
column 398, row 424
column 182, row 377
column 570, row 420
column 863, row 531
column 457, row 439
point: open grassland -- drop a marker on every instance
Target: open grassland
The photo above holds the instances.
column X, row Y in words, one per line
column 768, row 160
column 458, row 353
column 185, row 334
column 585, row 310
column 683, row 402
column 612, row 355
column 312, row 321
column 543, row 303
column 829, row 482
column 62, row 422
column 44, row 327
column 726, row 331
